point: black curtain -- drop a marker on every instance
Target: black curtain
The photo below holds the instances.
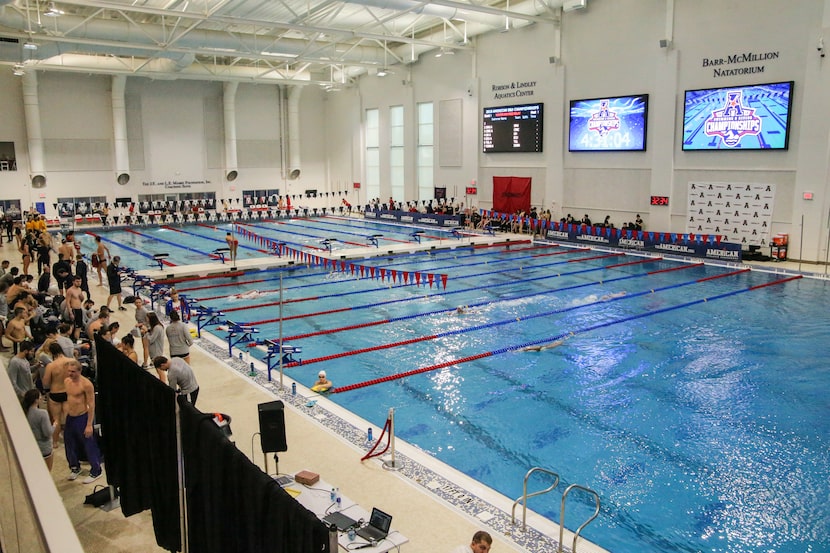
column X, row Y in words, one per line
column 138, row 425
column 234, row 507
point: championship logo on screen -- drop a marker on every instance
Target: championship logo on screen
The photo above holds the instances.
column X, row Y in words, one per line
column 604, row 121
column 734, row 121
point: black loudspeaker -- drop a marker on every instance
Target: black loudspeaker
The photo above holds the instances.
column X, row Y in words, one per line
column 272, row 427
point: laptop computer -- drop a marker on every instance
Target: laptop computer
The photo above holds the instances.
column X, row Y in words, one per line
column 378, row 526
column 340, row 520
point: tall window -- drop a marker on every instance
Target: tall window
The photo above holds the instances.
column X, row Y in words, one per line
column 372, row 154
column 426, row 153
column 396, row 168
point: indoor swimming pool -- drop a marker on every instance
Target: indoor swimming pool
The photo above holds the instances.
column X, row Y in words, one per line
column 692, row 398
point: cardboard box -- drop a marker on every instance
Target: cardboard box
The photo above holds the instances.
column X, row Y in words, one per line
column 307, row 477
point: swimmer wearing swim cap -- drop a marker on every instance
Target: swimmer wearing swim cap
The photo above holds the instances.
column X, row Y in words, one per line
column 323, row 384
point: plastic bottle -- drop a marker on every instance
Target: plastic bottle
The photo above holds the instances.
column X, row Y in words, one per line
column 240, row 356
column 339, row 503
column 369, row 435
column 293, row 388
column 351, row 534
column 333, row 495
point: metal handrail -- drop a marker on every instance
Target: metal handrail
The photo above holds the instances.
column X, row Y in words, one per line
column 584, row 524
column 526, row 496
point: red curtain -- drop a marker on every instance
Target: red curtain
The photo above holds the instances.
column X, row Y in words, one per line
column 511, row 194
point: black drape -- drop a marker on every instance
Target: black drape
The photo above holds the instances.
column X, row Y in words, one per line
column 234, row 507
column 138, row 425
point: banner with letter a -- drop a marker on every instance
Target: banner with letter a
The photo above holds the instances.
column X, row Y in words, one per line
column 511, row 194
column 740, row 212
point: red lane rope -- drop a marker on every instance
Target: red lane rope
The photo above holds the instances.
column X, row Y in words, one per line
column 605, row 256
column 411, row 373
column 300, row 316
column 639, row 262
column 562, row 252
column 338, row 329
column 268, row 304
column 756, row 287
column 199, row 277
column 497, row 244
column 680, row 268
column 223, row 285
column 715, row 277
column 390, row 345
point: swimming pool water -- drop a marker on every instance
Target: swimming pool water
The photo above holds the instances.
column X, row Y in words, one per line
column 703, row 425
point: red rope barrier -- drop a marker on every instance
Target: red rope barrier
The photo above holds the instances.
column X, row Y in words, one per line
column 371, row 453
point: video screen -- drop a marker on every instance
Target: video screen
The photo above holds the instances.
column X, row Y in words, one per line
column 755, row 117
column 512, row 129
column 608, row 124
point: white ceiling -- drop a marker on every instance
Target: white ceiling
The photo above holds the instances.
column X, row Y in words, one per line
column 328, row 42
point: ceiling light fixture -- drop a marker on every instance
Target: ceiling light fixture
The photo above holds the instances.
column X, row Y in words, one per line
column 29, row 46
column 382, row 72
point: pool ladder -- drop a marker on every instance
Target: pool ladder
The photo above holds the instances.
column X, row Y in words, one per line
column 525, row 496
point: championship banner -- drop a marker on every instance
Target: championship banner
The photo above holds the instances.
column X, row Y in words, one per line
column 740, row 212
column 511, row 194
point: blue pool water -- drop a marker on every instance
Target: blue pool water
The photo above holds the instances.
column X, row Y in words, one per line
column 703, row 425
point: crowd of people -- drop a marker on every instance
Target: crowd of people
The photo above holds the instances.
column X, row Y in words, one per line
column 48, row 321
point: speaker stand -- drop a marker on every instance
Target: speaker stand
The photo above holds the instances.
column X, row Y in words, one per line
column 276, row 463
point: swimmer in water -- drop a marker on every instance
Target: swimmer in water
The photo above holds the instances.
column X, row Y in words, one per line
column 461, row 310
column 615, row 295
column 551, row 345
column 247, row 295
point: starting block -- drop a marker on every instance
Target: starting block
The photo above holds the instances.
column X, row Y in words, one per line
column 489, row 230
column 416, row 235
column 220, row 253
column 373, row 239
column 238, row 333
column 456, row 233
column 281, row 355
column 160, row 258
column 327, row 242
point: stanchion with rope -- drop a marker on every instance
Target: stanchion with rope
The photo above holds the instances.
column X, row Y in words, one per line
column 389, row 426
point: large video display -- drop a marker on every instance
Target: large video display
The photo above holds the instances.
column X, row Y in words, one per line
column 755, row 117
column 608, row 124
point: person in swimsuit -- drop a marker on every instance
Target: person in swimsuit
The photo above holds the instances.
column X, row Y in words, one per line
column 233, row 245
column 78, row 433
column 75, row 302
column 53, row 380
column 100, row 259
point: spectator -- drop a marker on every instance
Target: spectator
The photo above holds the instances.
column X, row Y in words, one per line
column 178, row 337
column 40, row 425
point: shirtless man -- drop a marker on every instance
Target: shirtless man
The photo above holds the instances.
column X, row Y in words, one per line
column 53, row 380
column 102, row 253
column 67, row 248
column 233, row 245
column 80, row 410
column 75, row 301
column 16, row 331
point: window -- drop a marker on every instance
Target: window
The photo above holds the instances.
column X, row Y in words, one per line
column 372, row 154
column 426, row 153
column 396, row 156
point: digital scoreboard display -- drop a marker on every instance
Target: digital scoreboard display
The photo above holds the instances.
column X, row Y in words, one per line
column 608, row 124
column 755, row 117
column 512, row 129
column 659, row 200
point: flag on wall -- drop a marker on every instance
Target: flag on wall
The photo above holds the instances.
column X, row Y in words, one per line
column 511, row 194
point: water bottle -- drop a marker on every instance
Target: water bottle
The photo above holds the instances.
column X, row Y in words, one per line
column 240, row 356
column 351, row 533
column 369, row 435
column 333, row 495
column 339, row 503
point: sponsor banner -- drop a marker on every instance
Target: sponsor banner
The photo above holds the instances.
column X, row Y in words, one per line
column 709, row 246
column 410, row 217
